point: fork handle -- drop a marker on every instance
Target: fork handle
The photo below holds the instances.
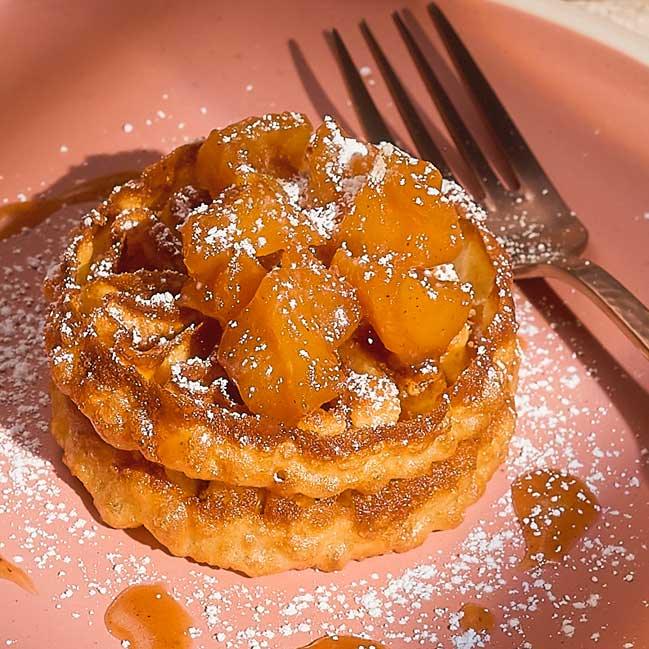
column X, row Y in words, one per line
column 622, row 307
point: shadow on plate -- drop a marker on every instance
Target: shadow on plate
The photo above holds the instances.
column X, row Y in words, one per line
column 142, row 536
column 90, row 181
column 315, row 91
column 37, row 226
column 313, row 88
column 626, row 394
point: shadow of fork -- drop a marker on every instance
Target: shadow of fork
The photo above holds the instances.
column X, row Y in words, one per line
column 629, row 397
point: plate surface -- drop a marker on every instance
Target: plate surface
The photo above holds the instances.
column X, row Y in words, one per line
column 90, row 88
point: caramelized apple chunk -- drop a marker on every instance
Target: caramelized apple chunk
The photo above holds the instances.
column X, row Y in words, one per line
column 329, row 300
column 225, row 295
column 473, row 263
column 457, row 356
column 400, row 210
column 416, row 315
column 332, row 160
column 278, row 357
column 256, row 219
column 274, row 143
column 284, row 200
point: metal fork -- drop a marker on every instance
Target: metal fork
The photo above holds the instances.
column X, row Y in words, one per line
column 541, row 233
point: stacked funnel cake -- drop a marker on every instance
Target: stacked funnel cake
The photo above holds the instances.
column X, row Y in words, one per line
column 282, row 348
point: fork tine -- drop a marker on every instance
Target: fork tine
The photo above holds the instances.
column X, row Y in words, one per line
column 375, row 128
column 464, row 140
column 427, row 148
column 518, row 153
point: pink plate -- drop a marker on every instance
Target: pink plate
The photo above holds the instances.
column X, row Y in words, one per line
column 93, row 87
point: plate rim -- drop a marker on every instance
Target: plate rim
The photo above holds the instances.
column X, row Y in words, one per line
column 588, row 24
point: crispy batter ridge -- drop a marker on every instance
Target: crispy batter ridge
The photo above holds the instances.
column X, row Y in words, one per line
column 258, row 532
column 209, row 439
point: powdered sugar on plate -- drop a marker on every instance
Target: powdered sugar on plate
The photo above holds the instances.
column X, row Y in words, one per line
column 570, row 417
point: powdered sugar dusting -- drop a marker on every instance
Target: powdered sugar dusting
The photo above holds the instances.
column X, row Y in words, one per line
column 568, row 420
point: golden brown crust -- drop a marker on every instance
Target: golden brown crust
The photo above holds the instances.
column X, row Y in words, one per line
column 258, row 532
column 209, row 440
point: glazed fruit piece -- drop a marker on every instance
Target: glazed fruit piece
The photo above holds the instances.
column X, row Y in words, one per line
column 329, row 300
column 256, row 218
column 274, row 143
column 223, row 297
column 333, row 160
column 277, row 354
column 457, row 356
column 400, row 210
column 415, row 316
column 473, row 263
column 223, row 242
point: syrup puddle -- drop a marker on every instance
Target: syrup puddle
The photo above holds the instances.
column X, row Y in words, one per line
column 148, row 618
column 554, row 510
column 28, row 214
column 11, row 572
column 476, row 617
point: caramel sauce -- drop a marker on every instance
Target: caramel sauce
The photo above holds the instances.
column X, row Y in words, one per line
column 554, row 510
column 148, row 618
column 476, row 617
column 344, row 642
column 13, row 573
column 27, row 214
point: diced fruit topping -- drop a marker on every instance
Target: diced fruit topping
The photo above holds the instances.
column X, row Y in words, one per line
column 457, row 355
column 273, row 144
column 335, row 269
column 256, row 219
column 329, row 300
column 277, row 354
column 400, row 210
column 333, row 161
column 415, row 314
column 228, row 292
column 236, row 285
column 473, row 263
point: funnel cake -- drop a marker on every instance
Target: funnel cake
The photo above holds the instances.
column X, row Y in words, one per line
column 258, row 532
column 282, row 309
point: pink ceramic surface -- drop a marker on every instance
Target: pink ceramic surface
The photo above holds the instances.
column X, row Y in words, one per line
column 94, row 87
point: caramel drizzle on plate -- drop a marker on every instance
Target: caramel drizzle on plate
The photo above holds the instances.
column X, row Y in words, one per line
column 148, row 618
column 11, row 572
column 476, row 617
column 554, row 509
column 28, row 214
